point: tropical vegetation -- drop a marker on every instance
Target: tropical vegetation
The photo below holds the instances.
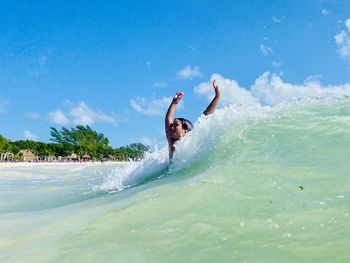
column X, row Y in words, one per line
column 81, row 140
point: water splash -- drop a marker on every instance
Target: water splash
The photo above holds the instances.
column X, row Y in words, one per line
column 225, row 129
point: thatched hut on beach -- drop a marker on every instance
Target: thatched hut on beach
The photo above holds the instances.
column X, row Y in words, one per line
column 73, row 157
column 109, row 157
column 86, row 157
column 27, row 156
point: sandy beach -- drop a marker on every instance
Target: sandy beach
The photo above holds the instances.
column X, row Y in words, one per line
column 43, row 164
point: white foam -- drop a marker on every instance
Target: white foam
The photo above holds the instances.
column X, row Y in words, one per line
column 207, row 134
column 210, row 131
column 133, row 173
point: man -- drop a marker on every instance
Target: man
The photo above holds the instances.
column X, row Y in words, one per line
column 176, row 129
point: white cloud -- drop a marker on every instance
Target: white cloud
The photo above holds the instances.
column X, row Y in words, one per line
column 192, row 48
column 156, row 107
column 80, row 114
column 33, row 115
column 28, row 135
column 58, row 117
column 342, row 39
column 269, row 89
column 189, row 73
column 160, row 84
column 42, row 60
column 347, row 24
column 276, row 64
column 325, row 12
column 265, row 49
column 231, row 92
column 3, row 105
column 276, row 20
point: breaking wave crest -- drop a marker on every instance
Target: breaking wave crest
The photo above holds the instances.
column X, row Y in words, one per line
column 283, row 133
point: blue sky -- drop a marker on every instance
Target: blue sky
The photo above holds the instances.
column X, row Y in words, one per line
column 115, row 64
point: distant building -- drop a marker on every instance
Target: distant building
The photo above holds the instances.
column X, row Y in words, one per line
column 73, row 157
column 109, row 157
column 86, row 157
column 27, row 156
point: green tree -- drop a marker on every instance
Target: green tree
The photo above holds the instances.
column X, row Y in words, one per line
column 4, row 144
column 82, row 140
column 27, row 144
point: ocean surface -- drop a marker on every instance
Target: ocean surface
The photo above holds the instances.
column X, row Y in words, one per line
column 248, row 184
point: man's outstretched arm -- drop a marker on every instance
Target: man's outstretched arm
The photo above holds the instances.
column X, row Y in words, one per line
column 169, row 117
column 212, row 106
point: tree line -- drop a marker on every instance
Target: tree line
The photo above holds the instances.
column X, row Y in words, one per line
column 81, row 140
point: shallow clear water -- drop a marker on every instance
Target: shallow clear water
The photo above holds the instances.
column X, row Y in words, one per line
column 248, row 185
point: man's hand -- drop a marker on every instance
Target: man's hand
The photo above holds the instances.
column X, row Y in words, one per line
column 215, row 85
column 178, row 97
column 212, row 106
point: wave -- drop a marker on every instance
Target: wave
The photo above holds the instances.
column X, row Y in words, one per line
column 286, row 134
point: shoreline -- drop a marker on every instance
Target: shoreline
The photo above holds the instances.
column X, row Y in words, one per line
column 41, row 164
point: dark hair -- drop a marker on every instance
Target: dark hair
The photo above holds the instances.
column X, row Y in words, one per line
column 186, row 124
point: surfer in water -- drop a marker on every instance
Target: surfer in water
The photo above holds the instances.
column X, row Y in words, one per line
column 176, row 129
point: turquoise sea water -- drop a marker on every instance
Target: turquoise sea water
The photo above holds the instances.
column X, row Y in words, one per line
column 247, row 185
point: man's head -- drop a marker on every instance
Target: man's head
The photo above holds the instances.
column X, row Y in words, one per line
column 180, row 127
